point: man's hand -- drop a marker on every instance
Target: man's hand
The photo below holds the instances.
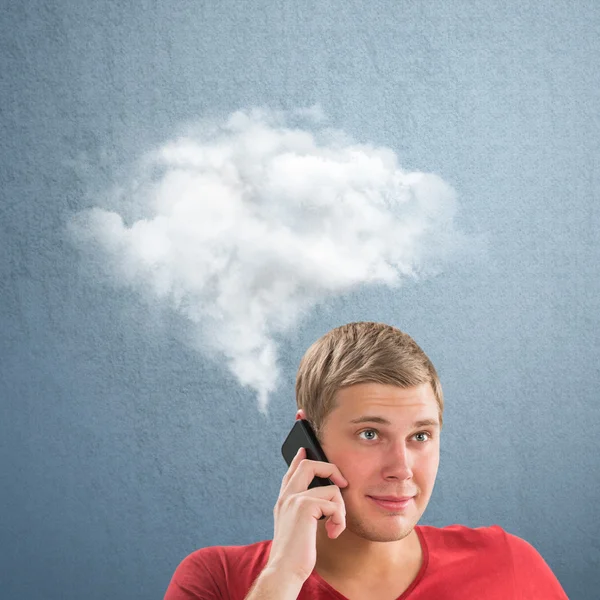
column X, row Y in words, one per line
column 297, row 512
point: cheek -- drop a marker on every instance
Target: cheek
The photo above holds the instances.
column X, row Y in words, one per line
column 427, row 466
column 353, row 466
column 360, row 477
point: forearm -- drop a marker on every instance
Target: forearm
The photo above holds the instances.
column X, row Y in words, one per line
column 273, row 584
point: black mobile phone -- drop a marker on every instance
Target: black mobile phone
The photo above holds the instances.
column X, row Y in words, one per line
column 302, row 435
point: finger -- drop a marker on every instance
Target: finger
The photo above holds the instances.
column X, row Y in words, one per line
column 334, row 530
column 307, row 470
column 318, row 507
column 327, row 492
column 301, row 454
column 330, row 494
column 336, row 518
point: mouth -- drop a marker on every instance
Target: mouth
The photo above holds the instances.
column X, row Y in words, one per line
column 392, row 502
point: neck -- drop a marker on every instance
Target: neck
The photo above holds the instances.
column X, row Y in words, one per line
column 351, row 557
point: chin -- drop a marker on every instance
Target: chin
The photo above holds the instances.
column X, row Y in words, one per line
column 396, row 528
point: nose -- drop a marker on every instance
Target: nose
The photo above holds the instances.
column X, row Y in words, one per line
column 398, row 462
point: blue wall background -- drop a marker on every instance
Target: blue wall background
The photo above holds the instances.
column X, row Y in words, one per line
column 122, row 450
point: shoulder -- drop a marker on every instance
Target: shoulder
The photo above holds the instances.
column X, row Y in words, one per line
column 224, row 557
column 531, row 572
column 523, row 553
column 219, row 568
column 454, row 537
column 494, row 548
column 459, row 544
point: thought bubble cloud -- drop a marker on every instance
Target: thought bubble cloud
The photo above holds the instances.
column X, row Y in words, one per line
column 244, row 225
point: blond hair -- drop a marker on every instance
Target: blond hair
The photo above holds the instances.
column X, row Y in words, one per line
column 359, row 353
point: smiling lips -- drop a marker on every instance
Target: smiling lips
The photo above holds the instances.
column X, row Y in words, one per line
column 392, row 498
column 392, row 502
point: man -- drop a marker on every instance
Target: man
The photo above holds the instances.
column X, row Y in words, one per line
column 375, row 402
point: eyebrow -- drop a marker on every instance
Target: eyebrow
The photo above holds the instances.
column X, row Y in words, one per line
column 382, row 421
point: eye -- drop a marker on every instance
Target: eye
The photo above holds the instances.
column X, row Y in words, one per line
column 424, row 433
column 369, row 431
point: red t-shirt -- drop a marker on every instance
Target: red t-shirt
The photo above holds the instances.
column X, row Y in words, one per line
column 459, row 563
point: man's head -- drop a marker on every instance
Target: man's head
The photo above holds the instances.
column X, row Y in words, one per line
column 373, row 370
column 362, row 352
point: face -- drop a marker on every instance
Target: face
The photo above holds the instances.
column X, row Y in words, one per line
column 373, row 437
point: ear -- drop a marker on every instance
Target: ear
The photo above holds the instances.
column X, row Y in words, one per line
column 300, row 415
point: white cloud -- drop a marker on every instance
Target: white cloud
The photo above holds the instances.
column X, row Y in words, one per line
column 244, row 225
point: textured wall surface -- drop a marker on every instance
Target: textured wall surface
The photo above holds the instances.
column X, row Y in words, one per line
column 122, row 449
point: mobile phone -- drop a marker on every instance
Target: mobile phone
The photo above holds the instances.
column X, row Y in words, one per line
column 302, row 435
